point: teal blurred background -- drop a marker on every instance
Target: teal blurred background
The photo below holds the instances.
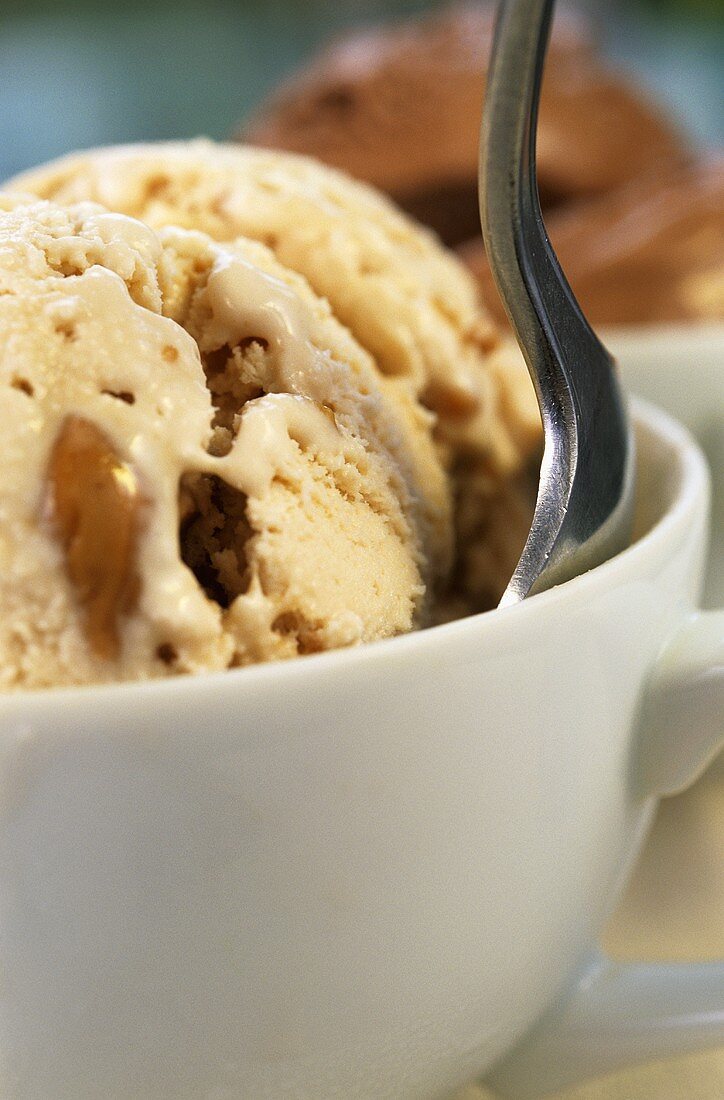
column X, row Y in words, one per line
column 89, row 73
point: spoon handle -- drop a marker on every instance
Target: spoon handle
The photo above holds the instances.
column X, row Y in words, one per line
column 586, row 466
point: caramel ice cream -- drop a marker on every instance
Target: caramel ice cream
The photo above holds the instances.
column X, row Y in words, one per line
column 405, row 299
column 400, row 107
column 202, row 466
column 321, row 315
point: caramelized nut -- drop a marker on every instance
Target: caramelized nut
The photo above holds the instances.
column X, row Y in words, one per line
column 95, row 505
column 455, row 402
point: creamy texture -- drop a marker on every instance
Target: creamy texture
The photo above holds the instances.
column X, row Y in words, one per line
column 241, row 302
column 202, row 468
column 406, row 300
column 355, row 410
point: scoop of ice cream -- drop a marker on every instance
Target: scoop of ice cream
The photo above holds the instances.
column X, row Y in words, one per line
column 405, row 299
column 400, row 107
column 651, row 252
column 202, row 467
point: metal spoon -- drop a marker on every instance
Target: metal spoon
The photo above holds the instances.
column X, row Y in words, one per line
column 584, row 509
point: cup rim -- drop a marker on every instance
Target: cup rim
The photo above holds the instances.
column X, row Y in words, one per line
column 692, row 486
column 679, row 336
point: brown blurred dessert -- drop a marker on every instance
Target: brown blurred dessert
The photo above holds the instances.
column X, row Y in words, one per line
column 399, row 106
column 648, row 253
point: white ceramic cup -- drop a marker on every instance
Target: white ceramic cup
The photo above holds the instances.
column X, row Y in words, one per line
column 680, row 368
column 374, row 873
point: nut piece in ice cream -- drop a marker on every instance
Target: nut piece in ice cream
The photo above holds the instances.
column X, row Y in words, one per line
column 202, row 467
column 95, row 504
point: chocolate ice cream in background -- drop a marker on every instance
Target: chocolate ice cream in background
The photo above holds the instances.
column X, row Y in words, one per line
column 400, row 106
column 235, row 426
column 648, row 253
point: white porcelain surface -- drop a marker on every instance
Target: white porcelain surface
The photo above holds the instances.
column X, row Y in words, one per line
column 680, row 368
column 363, row 874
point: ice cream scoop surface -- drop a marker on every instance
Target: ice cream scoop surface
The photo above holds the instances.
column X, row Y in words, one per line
column 458, row 389
column 202, row 467
column 405, row 299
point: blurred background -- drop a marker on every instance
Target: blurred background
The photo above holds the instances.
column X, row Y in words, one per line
column 87, row 72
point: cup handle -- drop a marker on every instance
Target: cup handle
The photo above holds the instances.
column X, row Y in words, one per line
column 620, row 1014
column 683, row 715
